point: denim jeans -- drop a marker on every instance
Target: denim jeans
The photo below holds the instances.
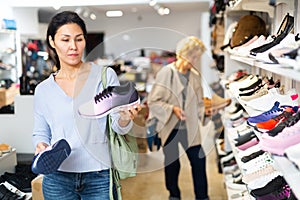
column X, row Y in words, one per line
column 72, row 186
column 197, row 160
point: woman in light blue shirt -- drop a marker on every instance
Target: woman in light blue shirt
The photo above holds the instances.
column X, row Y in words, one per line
column 85, row 173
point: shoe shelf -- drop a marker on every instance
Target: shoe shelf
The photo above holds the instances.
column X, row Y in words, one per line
column 14, row 190
column 8, row 161
column 251, row 5
column 232, row 194
column 290, row 172
column 249, row 110
column 273, row 68
column 10, row 54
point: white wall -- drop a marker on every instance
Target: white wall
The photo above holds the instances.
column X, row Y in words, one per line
column 27, row 21
column 149, row 30
column 16, row 129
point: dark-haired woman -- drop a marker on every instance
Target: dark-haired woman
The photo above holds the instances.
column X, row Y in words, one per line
column 85, row 173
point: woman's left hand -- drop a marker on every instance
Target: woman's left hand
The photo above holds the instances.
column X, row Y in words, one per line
column 129, row 114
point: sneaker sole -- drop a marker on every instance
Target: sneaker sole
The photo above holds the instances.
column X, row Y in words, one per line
column 115, row 109
column 48, row 162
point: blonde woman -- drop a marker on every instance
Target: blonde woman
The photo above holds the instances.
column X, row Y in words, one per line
column 176, row 101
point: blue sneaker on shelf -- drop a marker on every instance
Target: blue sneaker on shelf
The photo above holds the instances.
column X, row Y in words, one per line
column 48, row 161
column 265, row 116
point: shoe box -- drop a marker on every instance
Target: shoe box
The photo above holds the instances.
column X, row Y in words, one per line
column 36, row 187
column 7, row 95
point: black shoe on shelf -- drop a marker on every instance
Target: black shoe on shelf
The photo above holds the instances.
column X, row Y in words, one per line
column 6, row 194
column 287, row 123
column 23, row 183
column 245, row 159
column 244, row 138
column 274, row 184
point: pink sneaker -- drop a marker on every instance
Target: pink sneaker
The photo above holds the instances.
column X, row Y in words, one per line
column 276, row 145
column 248, row 144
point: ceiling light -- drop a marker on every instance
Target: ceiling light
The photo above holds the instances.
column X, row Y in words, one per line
column 152, row 3
column 85, row 14
column 93, row 16
column 166, row 11
column 114, row 13
column 161, row 10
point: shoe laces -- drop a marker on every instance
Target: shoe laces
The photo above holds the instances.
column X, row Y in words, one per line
column 283, row 193
column 106, row 93
column 273, row 110
column 292, row 120
column 282, row 116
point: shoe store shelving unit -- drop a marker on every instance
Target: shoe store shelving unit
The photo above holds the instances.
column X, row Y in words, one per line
column 290, row 78
column 8, row 162
column 10, row 54
column 290, row 172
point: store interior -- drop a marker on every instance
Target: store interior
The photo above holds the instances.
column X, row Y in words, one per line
column 137, row 43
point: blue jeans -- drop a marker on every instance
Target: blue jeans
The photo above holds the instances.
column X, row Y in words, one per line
column 197, row 160
column 73, row 186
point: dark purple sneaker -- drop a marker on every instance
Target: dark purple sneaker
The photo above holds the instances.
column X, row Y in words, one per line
column 281, row 194
column 111, row 99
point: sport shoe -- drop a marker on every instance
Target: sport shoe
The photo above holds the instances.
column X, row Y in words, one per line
column 235, row 86
column 287, row 123
column 111, row 99
column 258, row 162
column 244, row 138
column 281, row 194
column 265, row 116
column 293, row 154
column 5, row 193
column 49, row 160
column 274, row 184
column 259, row 93
column 261, row 177
column 276, row 145
column 254, row 155
column 248, row 144
column 270, row 124
column 266, row 102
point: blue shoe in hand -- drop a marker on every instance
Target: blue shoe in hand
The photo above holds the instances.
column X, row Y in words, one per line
column 48, row 161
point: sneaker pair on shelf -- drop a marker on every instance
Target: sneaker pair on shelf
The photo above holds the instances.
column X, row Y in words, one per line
column 49, row 160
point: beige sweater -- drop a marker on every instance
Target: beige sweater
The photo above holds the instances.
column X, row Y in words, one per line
column 161, row 101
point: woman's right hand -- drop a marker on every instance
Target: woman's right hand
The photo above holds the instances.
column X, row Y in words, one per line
column 180, row 114
column 40, row 147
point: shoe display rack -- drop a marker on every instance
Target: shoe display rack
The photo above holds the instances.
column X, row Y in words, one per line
column 289, row 77
column 10, row 55
column 8, row 161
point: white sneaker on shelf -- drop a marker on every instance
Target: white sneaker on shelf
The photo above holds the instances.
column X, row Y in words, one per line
column 267, row 101
column 245, row 51
column 293, row 154
column 262, row 180
column 288, row 41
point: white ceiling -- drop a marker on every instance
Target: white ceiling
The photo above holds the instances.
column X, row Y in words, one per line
column 126, row 6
